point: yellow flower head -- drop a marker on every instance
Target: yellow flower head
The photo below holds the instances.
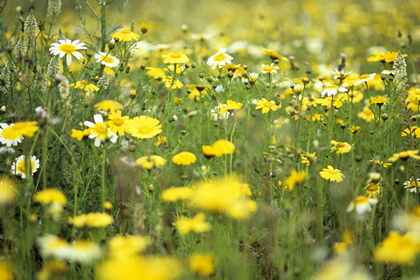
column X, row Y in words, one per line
column 266, row 106
column 295, row 178
column 340, row 147
column 273, row 55
column 145, row 27
column 8, row 190
column 128, row 246
column 405, row 155
column 175, row 58
column 117, row 123
column 202, row 263
column 398, row 248
column 379, row 100
column 150, row 162
column 177, row 193
column 48, row 196
column 144, row 127
column 95, row 220
column 108, row 106
column 197, row 224
column 184, row 158
column 332, row 174
column 234, row 201
column 126, row 35
column 384, row 57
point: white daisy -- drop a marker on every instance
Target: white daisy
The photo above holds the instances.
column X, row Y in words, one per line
column 67, row 48
column 219, row 58
column 19, row 166
column 100, row 131
column 332, row 90
column 107, row 59
column 362, row 204
column 8, row 135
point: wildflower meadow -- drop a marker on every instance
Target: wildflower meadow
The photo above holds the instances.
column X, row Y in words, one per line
column 209, row 139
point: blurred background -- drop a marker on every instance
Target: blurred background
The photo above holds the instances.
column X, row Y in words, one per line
column 309, row 30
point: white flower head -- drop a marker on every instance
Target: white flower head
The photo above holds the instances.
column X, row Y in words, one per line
column 362, row 204
column 100, row 131
column 107, row 59
column 67, row 48
column 220, row 58
column 8, row 136
column 19, row 166
column 333, row 90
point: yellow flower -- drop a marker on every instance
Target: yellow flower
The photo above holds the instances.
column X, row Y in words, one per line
column 295, row 178
column 92, row 220
column 85, row 86
column 222, row 147
column 139, row 267
column 128, row 246
column 332, row 174
column 405, row 155
column 309, row 158
column 273, row 55
column 8, row 190
column 397, row 248
column 177, row 193
column 108, row 106
column 126, row 35
column 208, row 151
column 354, row 128
column 175, row 58
column 6, row 271
column 229, row 107
column 197, row 224
column 161, row 141
column 80, row 134
column 379, row 100
column 234, row 201
column 415, row 131
column 373, row 190
column 145, row 27
column 117, row 123
column 149, row 162
column 384, row 57
column 48, row 196
column 171, row 83
column 202, row 263
column 366, row 114
column 266, row 106
column 144, row 127
column 340, row 147
column 184, row 158
column 155, row 72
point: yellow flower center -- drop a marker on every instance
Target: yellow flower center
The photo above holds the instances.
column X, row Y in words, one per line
column 10, row 134
column 175, row 55
column 220, row 57
column 125, row 31
column 100, row 128
column 144, row 129
column 67, row 48
column 108, row 59
column 20, row 167
column 118, row 121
